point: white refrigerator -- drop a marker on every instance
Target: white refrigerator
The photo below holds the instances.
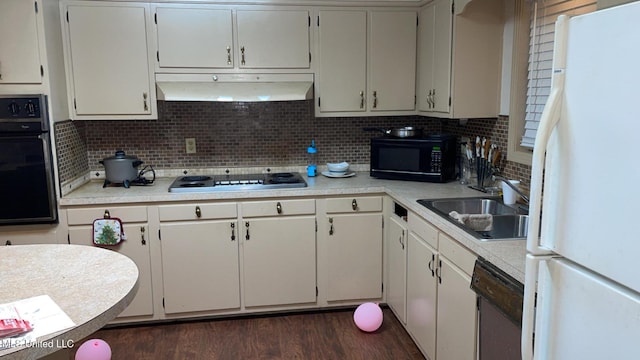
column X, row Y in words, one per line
column 583, row 245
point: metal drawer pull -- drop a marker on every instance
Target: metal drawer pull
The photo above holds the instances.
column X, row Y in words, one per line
column 144, row 100
column 375, row 99
column 242, row 54
column 198, row 212
column 361, row 99
column 233, row 231
column 247, row 226
column 228, row 55
column 331, row 226
column 279, row 208
column 8, row 243
column 142, row 239
column 354, row 205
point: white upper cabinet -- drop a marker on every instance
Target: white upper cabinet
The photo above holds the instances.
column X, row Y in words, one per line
column 107, row 61
column 392, row 74
column 367, row 63
column 273, row 38
column 343, row 56
column 434, row 72
column 459, row 58
column 19, row 52
column 194, row 37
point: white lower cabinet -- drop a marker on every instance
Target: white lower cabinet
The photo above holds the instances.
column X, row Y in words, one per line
column 200, row 259
column 422, row 292
column 441, row 307
column 457, row 309
column 396, row 286
column 278, row 252
column 136, row 247
column 352, row 235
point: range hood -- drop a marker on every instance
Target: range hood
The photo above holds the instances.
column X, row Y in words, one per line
column 234, row 87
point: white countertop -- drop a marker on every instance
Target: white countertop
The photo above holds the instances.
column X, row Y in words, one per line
column 90, row 284
column 509, row 255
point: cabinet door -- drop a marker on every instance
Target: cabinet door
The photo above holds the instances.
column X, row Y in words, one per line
column 457, row 314
column 421, row 294
column 19, row 52
column 442, row 55
column 135, row 247
column 434, row 56
column 200, row 267
column 392, row 55
column 273, row 39
column 354, row 247
column 397, row 268
column 343, row 57
column 279, row 261
column 108, row 60
column 194, row 38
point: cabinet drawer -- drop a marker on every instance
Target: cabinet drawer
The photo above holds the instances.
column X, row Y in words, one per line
column 459, row 255
column 197, row 211
column 354, row 204
column 423, row 229
column 278, row 207
column 85, row 216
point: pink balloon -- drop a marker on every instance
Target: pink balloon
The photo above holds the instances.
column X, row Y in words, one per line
column 94, row 349
column 368, row 317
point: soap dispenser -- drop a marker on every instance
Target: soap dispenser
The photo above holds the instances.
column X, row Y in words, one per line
column 312, row 154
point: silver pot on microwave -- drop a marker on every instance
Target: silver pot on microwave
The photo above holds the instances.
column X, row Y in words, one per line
column 430, row 158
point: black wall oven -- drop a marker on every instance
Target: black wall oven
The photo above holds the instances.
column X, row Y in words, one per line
column 27, row 186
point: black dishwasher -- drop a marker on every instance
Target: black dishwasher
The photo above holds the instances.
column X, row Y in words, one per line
column 500, row 299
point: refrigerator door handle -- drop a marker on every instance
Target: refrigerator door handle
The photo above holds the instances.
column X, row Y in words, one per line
column 532, row 264
column 548, row 121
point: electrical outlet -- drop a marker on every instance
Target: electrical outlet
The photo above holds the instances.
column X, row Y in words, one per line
column 190, row 145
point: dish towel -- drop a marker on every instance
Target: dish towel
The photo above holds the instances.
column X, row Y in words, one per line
column 476, row 222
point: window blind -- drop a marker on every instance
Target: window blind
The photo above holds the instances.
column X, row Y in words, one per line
column 543, row 18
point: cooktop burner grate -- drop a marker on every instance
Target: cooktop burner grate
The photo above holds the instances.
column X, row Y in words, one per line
column 237, row 182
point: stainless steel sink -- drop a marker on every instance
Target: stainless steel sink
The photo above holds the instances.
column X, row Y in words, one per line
column 508, row 222
column 507, row 227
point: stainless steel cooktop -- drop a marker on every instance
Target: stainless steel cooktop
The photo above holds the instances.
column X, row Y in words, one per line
column 238, row 182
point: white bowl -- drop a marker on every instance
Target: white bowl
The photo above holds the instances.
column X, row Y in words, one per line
column 338, row 167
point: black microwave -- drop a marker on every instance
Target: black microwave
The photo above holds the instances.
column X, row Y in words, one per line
column 430, row 158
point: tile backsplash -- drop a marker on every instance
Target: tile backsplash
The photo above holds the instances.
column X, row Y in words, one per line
column 239, row 134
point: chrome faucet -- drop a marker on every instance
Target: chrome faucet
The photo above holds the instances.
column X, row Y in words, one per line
column 506, row 181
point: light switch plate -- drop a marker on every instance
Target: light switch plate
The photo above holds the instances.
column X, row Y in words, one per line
column 190, row 145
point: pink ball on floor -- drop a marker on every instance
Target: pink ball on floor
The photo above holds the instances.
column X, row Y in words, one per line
column 94, row 349
column 368, row 317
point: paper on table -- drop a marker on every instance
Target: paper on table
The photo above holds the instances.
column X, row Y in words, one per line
column 45, row 316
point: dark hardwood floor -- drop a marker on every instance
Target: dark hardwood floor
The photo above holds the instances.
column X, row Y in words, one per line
column 310, row 335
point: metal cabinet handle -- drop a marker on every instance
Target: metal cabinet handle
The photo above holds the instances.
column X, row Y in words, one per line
column 279, row 207
column 433, row 99
column 439, row 272
column 330, row 226
column 8, row 243
column 143, row 241
column 375, row 99
column 400, row 240
column 242, row 54
column 431, row 264
column 107, row 214
column 361, row 99
column 198, row 212
column 429, row 99
column 233, row 231
column 354, row 205
column 246, row 225
column 144, row 100
column 228, row 55
column 0, row 70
